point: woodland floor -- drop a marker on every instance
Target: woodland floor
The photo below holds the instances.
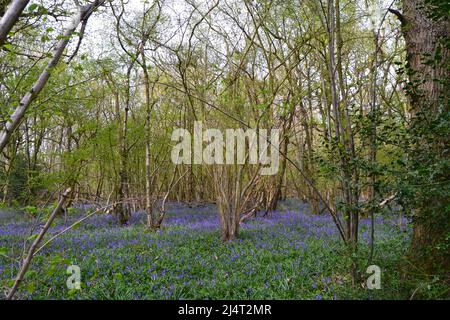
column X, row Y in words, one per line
column 291, row 254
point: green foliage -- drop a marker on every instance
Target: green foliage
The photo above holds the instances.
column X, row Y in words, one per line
column 31, row 210
column 438, row 9
column 4, row 251
column 425, row 181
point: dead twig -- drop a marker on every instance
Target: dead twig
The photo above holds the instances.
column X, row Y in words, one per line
column 40, row 236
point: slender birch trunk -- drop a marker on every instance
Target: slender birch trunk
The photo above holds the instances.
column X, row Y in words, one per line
column 10, row 18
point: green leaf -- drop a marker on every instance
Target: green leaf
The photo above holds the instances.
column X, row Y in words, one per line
column 32, row 237
column 118, row 276
column 4, row 251
column 33, row 7
column 8, row 46
column 30, row 288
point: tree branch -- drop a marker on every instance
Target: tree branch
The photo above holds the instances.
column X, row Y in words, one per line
column 399, row 15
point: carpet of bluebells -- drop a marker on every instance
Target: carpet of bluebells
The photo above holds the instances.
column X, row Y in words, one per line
column 290, row 254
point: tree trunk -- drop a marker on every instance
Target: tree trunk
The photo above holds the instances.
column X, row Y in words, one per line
column 228, row 188
column 423, row 37
column 10, row 18
column 121, row 210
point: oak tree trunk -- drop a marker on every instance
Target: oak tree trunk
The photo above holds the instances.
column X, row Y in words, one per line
column 423, row 37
